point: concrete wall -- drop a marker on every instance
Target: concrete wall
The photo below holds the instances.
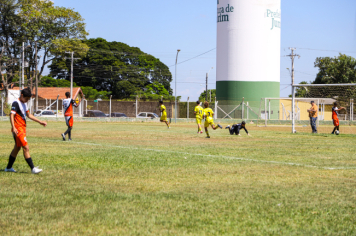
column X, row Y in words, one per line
column 129, row 107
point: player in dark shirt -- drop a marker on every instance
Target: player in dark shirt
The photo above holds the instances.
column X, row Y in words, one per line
column 19, row 112
column 235, row 129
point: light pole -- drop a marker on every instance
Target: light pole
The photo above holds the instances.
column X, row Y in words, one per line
column 175, row 89
column 206, row 91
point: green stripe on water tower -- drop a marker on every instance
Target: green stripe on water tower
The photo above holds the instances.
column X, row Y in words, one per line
column 251, row 91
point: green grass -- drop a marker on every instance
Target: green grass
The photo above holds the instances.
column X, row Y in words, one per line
column 143, row 179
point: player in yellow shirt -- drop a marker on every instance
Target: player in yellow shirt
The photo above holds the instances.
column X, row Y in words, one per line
column 199, row 112
column 162, row 108
column 208, row 114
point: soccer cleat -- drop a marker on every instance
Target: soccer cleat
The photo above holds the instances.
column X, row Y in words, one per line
column 10, row 170
column 207, row 137
column 219, row 126
column 64, row 137
column 201, row 132
column 36, row 170
column 227, row 127
column 69, row 139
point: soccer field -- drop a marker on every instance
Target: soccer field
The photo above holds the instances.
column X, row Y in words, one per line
column 143, row 179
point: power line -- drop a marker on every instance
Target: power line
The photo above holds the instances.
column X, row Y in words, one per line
column 194, row 57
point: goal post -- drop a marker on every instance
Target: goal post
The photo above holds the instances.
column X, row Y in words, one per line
column 324, row 96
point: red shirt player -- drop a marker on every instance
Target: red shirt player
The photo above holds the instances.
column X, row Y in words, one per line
column 335, row 117
column 18, row 115
column 68, row 104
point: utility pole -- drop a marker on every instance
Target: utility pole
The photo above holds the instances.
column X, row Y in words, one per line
column 71, row 72
column 175, row 89
column 206, row 89
column 292, row 56
column 36, row 109
column 206, row 84
column 23, row 66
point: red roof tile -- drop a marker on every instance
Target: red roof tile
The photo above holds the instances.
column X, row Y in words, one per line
column 53, row 92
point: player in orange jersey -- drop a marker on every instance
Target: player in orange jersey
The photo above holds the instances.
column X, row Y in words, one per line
column 335, row 116
column 19, row 111
column 68, row 104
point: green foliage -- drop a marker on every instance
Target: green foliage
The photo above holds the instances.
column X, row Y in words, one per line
column 341, row 69
column 7, row 108
column 48, row 81
column 202, row 96
column 115, row 67
column 300, row 91
column 38, row 22
column 92, row 94
column 154, row 91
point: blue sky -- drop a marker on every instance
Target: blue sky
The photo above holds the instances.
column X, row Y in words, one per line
column 317, row 28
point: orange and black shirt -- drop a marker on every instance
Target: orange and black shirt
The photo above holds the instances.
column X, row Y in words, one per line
column 68, row 106
column 20, row 110
column 335, row 114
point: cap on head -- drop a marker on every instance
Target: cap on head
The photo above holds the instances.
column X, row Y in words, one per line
column 311, row 102
column 26, row 92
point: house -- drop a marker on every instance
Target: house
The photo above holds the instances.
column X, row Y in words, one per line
column 47, row 96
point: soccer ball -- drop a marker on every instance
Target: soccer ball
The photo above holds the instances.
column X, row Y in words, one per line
column 337, row 132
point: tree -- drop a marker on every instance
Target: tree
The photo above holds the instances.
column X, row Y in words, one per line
column 300, row 91
column 154, row 91
column 202, row 96
column 40, row 24
column 91, row 93
column 48, row 81
column 341, row 69
column 115, row 67
column 9, row 36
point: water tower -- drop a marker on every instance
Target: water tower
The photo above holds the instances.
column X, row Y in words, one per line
column 248, row 50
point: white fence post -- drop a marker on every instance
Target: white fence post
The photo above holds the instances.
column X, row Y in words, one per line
column 247, row 110
column 266, row 112
column 243, row 111
column 110, row 107
column 216, row 109
column 136, row 105
column 188, row 108
column 57, row 107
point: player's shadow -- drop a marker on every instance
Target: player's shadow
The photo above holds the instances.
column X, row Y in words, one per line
column 17, row 172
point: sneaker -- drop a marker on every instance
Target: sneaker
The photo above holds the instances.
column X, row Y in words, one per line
column 10, row 170
column 64, row 137
column 219, row 126
column 36, row 170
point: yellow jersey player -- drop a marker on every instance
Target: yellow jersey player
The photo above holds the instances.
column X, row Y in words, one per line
column 163, row 110
column 199, row 112
column 208, row 114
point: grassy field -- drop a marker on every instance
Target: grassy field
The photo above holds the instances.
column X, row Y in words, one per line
column 143, row 179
